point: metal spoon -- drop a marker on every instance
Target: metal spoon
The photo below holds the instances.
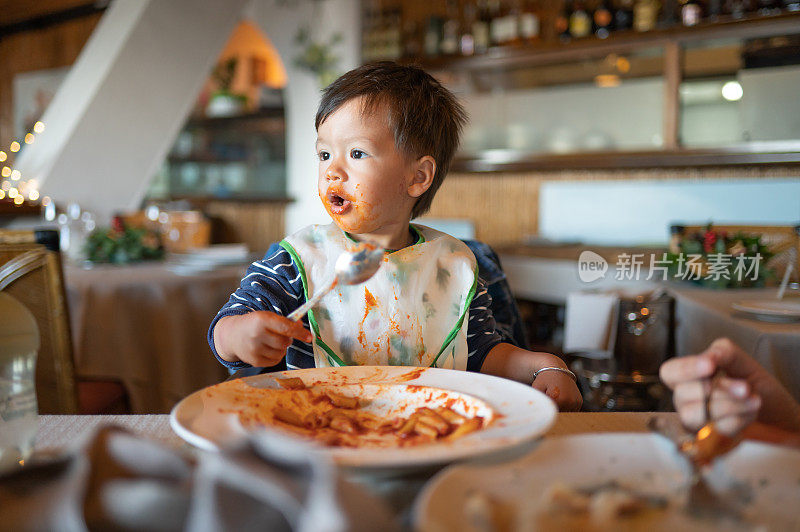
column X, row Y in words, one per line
column 353, row 267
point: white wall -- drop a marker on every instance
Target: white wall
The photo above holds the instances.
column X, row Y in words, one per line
column 281, row 22
column 640, row 212
column 117, row 112
column 567, row 118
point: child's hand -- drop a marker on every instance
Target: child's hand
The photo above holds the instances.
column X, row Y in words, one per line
column 258, row 338
column 561, row 389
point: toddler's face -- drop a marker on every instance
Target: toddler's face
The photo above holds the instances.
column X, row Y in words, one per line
column 363, row 178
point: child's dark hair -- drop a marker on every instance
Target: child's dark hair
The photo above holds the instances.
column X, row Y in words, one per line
column 426, row 118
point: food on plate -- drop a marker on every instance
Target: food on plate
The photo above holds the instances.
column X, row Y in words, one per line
column 606, row 502
column 369, row 415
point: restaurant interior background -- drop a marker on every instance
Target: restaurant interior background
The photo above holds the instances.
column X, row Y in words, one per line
column 593, row 126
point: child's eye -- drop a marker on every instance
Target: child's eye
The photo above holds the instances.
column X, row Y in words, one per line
column 324, row 156
column 357, row 154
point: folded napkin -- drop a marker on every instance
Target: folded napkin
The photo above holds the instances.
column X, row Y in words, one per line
column 119, row 481
column 590, row 323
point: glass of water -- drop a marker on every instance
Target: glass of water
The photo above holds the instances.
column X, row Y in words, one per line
column 19, row 343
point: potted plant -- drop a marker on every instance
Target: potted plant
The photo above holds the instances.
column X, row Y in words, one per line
column 224, row 102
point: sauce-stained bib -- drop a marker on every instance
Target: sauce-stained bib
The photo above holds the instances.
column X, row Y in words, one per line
column 412, row 312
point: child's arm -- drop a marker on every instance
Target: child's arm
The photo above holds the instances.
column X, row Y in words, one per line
column 511, row 362
column 258, row 338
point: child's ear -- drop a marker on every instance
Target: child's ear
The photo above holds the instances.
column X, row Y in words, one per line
column 424, row 170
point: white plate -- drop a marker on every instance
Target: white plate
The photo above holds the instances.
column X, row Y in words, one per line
column 770, row 309
column 644, row 462
column 524, row 414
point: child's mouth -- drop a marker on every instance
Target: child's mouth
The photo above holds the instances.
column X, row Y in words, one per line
column 338, row 204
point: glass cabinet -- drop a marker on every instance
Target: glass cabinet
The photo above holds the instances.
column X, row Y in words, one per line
column 230, row 157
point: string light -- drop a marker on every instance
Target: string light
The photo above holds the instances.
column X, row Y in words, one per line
column 21, row 188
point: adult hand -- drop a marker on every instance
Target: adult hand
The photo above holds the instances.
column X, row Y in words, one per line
column 741, row 393
column 259, row 338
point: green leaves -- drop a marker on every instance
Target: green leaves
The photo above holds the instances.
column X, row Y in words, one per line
column 122, row 246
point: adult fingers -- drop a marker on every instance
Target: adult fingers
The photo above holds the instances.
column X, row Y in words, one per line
column 689, row 368
column 722, row 407
column 698, row 390
column 732, row 359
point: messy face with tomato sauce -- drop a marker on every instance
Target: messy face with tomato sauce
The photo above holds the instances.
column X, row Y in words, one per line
column 368, row 185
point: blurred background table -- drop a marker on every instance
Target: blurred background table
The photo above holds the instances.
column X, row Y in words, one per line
column 703, row 314
column 146, row 326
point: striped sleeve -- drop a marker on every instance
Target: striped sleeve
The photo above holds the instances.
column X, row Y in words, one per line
column 482, row 333
column 273, row 284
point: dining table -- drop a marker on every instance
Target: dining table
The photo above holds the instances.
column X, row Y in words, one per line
column 145, row 325
column 703, row 314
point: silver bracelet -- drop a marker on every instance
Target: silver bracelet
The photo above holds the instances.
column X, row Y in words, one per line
column 554, row 368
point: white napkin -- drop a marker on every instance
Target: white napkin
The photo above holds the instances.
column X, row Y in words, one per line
column 590, row 323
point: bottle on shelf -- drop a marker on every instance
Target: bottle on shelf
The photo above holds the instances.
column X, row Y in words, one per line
column 511, row 23
column 603, row 19
column 412, row 40
column 691, row 13
column 450, row 44
column 393, row 36
column 480, row 27
column 433, row 36
column 669, row 14
column 714, row 10
column 562, row 23
column 580, row 23
column 644, row 15
column 466, row 39
column 529, row 23
column 495, row 22
column 737, row 8
column 768, row 8
column 623, row 15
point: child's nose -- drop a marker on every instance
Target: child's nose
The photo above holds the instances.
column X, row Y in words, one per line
column 334, row 173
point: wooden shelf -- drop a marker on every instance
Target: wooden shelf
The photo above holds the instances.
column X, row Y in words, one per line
column 228, row 121
column 515, row 161
column 510, row 57
column 679, row 60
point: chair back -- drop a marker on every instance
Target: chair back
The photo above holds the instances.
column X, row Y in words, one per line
column 30, row 270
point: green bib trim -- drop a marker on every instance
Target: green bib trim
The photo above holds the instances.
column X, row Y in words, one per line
column 460, row 322
column 332, row 357
column 420, row 238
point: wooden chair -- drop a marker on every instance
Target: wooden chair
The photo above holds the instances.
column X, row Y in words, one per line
column 783, row 241
column 30, row 270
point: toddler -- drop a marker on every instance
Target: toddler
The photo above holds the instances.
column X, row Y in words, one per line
column 386, row 135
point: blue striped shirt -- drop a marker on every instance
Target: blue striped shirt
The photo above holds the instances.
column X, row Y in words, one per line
column 274, row 284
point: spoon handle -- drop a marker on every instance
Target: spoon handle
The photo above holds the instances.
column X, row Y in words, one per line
column 301, row 311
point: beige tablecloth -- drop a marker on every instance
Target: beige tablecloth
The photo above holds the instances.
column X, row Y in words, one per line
column 145, row 325
column 704, row 314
